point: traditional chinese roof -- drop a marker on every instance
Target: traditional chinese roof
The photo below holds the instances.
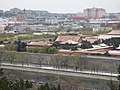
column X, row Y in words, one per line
column 69, row 42
column 40, row 43
column 69, row 37
column 114, row 32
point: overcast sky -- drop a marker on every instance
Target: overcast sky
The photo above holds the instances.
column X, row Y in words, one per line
column 61, row 6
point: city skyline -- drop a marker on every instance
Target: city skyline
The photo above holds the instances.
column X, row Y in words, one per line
column 61, row 6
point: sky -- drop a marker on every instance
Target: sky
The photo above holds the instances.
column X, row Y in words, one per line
column 61, row 6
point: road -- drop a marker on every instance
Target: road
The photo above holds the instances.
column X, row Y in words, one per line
column 66, row 72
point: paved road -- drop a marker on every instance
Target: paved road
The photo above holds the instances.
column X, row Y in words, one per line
column 67, row 72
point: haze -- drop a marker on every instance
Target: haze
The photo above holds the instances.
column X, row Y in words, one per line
column 61, row 6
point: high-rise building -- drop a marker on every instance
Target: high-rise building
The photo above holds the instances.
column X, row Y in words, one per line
column 94, row 12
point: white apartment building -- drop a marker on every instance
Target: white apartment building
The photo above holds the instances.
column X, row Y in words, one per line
column 94, row 12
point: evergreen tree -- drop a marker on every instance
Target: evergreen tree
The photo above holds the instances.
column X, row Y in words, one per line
column 21, row 46
column 112, row 85
column 112, row 42
column 118, row 70
column 6, row 84
column 28, row 84
column 86, row 45
column 53, row 88
column 46, row 86
column 59, row 88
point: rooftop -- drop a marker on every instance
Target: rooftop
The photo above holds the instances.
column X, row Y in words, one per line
column 114, row 32
column 75, row 38
column 40, row 43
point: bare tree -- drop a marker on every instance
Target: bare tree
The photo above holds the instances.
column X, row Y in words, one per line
column 39, row 60
column 75, row 61
column 57, row 61
column 22, row 58
column 1, row 56
column 10, row 56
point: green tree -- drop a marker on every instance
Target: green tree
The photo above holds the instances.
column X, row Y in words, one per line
column 1, row 72
column 22, row 85
column 46, row 86
column 49, row 49
column 86, row 45
column 56, row 44
column 45, row 49
column 58, row 88
column 21, row 46
column 52, row 50
column 34, row 50
column 11, row 47
column 6, row 84
column 28, row 84
column 112, row 42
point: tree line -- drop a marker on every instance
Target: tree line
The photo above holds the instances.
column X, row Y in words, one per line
column 8, row 84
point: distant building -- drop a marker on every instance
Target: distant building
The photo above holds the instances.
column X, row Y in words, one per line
column 113, row 15
column 1, row 27
column 38, row 13
column 21, row 17
column 94, row 12
column 51, row 20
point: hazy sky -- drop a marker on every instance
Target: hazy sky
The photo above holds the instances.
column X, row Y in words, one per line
column 61, row 5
